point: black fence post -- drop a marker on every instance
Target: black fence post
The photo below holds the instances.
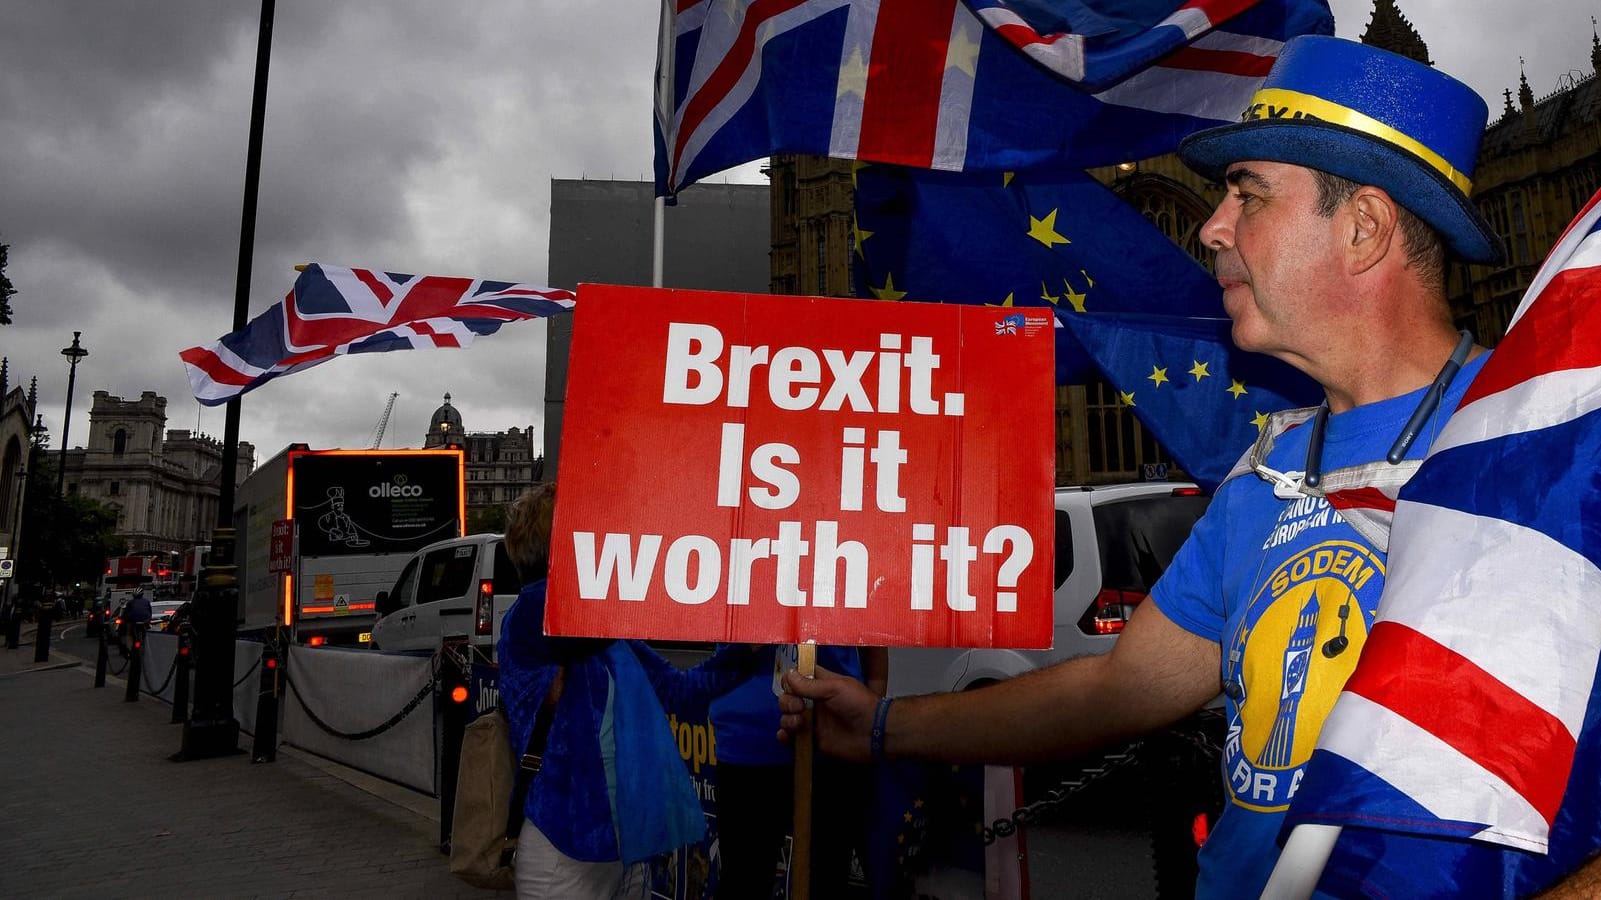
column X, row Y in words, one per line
column 455, row 711
column 41, row 638
column 136, row 652
column 14, row 626
column 180, row 688
column 101, row 660
column 264, row 747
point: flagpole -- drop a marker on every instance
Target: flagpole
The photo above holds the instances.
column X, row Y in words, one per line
column 1306, row 854
column 664, row 122
column 212, row 729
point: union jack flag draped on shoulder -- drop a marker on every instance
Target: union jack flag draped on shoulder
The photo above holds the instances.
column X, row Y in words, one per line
column 1463, row 758
column 939, row 84
column 333, row 310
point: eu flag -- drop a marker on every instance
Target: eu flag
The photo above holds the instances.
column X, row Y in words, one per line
column 1202, row 397
column 1049, row 239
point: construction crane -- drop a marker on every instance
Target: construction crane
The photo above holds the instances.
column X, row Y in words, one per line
column 383, row 422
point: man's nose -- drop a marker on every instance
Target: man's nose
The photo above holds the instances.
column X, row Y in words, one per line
column 1218, row 232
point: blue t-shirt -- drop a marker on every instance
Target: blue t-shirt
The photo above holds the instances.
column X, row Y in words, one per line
column 1275, row 581
column 745, row 720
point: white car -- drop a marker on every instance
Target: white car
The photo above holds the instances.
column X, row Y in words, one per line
column 452, row 588
column 1112, row 542
column 161, row 613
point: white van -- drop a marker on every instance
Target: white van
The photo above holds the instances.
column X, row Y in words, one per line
column 1112, row 542
column 455, row 588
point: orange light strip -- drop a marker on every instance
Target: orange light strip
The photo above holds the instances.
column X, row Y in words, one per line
column 354, row 607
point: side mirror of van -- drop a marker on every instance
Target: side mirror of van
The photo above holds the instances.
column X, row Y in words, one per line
column 382, row 604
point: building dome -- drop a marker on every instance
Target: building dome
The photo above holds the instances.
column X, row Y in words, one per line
column 445, row 418
column 445, row 428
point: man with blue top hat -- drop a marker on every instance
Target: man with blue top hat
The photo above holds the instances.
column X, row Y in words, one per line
column 1348, row 188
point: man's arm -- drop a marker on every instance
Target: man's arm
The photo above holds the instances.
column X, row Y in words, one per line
column 1156, row 674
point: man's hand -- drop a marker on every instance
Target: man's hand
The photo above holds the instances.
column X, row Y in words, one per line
column 844, row 710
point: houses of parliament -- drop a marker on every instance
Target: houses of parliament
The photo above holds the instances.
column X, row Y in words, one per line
column 1539, row 161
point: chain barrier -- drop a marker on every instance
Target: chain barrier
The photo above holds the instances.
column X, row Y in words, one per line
column 246, row 677
column 1034, row 812
column 145, row 676
column 389, row 723
column 118, row 672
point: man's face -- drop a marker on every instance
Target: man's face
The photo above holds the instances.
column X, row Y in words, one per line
column 1276, row 259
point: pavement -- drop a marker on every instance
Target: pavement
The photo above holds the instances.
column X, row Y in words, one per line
column 91, row 806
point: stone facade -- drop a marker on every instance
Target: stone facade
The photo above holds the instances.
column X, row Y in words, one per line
column 500, row 465
column 163, row 484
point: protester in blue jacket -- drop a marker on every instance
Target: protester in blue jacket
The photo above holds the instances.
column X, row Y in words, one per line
column 613, row 791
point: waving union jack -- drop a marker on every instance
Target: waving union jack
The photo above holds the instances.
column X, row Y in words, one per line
column 333, row 310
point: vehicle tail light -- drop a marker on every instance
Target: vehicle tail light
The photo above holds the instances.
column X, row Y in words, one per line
column 484, row 609
column 272, row 662
column 1113, row 608
column 316, row 640
column 1188, row 492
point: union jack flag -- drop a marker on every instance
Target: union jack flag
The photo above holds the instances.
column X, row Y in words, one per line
column 333, row 310
column 924, row 83
column 1474, row 713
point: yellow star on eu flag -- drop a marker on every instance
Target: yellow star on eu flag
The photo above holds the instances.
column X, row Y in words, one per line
column 1044, row 230
column 1236, row 388
column 860, row 235
column 887, row 292
column 1158, row 376
column 1260, row 421
column 1127, row 397
column 1199, row 370
column 1047, row 296
column 1074, row 297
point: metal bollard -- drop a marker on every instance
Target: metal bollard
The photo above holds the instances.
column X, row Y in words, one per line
column 101, row 660
column 455, row 711
column 14, row 627
column 264, row 747
column 41, row 638
column 136, row 643
column 180, row 689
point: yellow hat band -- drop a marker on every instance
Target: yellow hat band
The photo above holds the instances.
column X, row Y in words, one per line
column 1277, row 103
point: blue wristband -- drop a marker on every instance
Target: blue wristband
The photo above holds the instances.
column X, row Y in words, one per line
column 875, row 739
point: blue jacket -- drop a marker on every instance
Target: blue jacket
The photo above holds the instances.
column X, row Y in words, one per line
column 571, row 801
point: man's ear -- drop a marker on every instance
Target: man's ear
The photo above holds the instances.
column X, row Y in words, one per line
column 1374, row 228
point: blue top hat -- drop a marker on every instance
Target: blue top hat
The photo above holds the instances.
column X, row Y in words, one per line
column 1371, row 116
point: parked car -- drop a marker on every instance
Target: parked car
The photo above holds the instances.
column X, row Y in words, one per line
column 1112, row 543
column 457, row 587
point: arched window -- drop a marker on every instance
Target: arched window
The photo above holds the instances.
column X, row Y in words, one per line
column 119, row 442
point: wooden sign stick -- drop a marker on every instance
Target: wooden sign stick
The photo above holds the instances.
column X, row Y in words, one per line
column 800, row 856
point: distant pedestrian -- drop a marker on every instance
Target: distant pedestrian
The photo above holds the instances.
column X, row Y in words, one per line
column 613, row 791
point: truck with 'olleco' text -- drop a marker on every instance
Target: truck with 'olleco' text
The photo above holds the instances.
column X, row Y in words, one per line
column 321, row 532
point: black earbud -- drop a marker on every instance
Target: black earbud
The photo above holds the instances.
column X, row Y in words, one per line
column 1336, row 645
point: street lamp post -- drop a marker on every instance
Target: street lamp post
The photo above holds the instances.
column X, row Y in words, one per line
column 72, row 353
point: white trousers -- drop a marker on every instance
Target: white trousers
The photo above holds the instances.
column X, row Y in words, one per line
column 543, row 873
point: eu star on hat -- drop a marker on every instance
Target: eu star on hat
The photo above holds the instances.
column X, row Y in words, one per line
column 1371, row 116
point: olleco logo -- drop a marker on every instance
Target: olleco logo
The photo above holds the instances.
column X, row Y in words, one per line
column 396, row 488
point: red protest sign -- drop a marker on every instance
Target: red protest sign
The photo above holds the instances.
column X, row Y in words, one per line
column 281, row 547
column 742, row 467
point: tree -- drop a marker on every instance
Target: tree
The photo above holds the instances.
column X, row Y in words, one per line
column 491, row 520
column 64, row 541
column 6, row 290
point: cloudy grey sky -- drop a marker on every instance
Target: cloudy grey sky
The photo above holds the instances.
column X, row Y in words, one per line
column 408, row 135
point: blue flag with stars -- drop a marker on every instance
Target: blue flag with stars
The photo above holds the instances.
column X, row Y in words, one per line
column 1057, row 240
column 1202, row 397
